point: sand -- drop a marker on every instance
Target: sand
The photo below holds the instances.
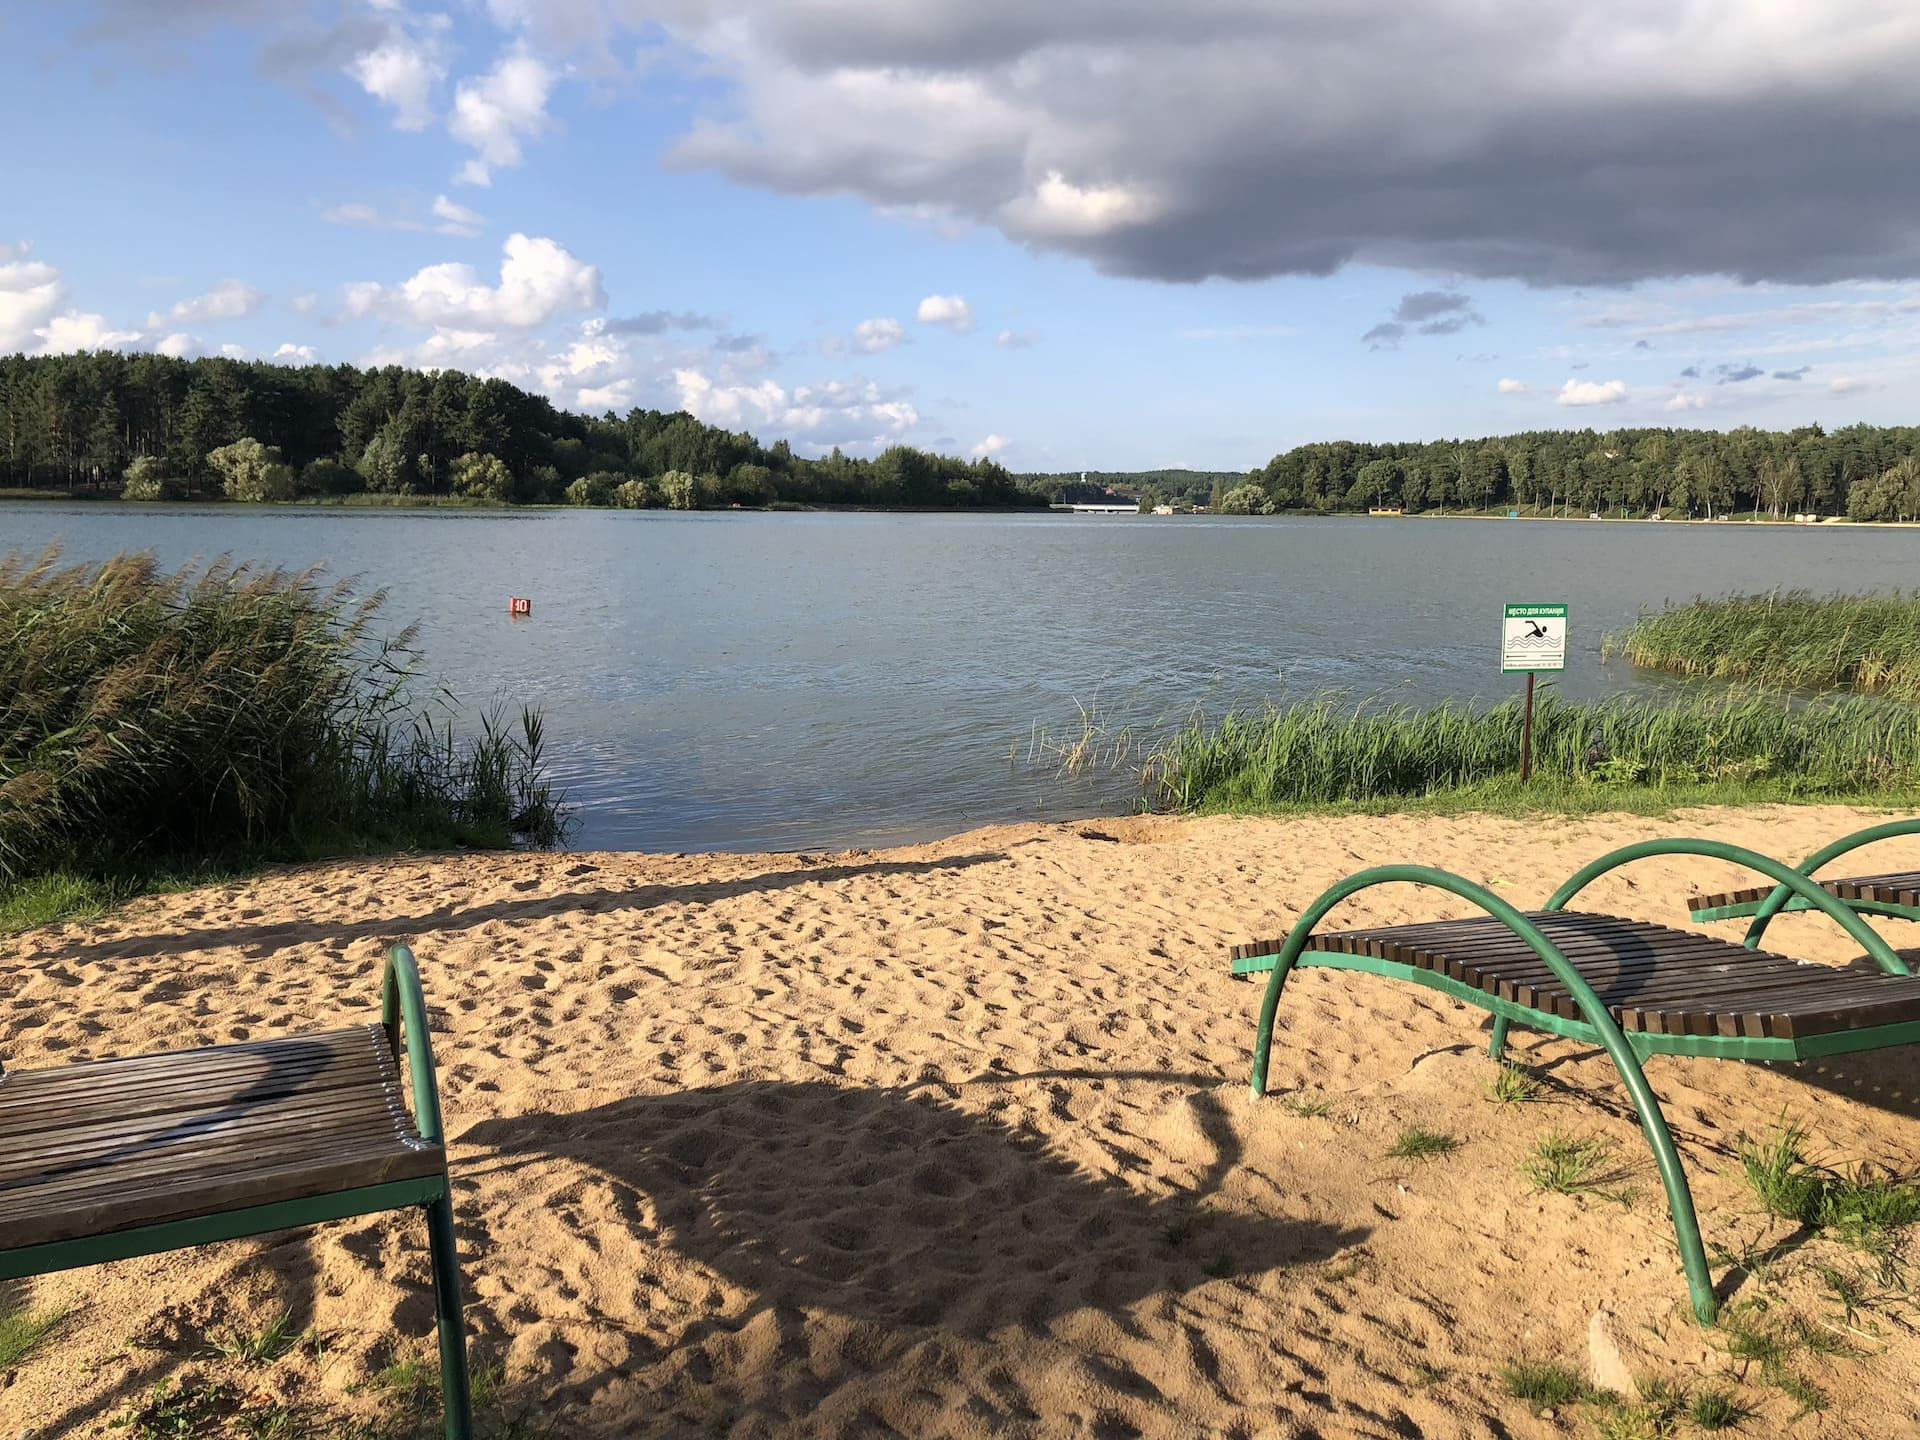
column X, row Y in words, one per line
column 955, row 1140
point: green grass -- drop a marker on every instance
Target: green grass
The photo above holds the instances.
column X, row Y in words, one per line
column 1625, row 752
column 155, row 722
column 262, row 1346
column 1715, row 1408
column 1513, row 1085
column 1564, row 1164
column 1308, row 1107
column 1417, row 1142
column 1543, row 1382
column 1791, row 639
column 24, row 1330
column 1862, row 1208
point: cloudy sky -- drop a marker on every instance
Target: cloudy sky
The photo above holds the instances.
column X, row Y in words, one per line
column 1090, row 233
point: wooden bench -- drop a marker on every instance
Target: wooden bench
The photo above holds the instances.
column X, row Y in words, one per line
column 118, row 1158
column 1895, row 895
column 1631, row 987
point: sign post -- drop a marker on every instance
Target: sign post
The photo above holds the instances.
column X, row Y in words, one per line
column 1533, row 638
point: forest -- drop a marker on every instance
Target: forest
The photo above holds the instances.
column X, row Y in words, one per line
column 153, row 427
column 1866, row 472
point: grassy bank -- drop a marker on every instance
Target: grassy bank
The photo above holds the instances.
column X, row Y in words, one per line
column 1790, row 639
column 160, row 727
column 1619, row 753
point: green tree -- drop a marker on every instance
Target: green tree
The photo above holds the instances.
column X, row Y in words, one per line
column 251, row 472
column 147, row 479
column 679, row 489
column 482, row 477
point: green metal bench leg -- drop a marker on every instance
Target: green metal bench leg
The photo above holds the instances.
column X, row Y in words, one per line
column 455, row 1395
column 1499, row 1046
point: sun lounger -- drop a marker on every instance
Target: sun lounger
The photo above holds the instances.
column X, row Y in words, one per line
column 1633, row 988
column 117, row 1158
column 1896, row 895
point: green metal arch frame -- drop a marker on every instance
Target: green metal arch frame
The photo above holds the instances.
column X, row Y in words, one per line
column 1792, row 881
column 402, row 1004
column 1605, row 1030
column 1777, row 901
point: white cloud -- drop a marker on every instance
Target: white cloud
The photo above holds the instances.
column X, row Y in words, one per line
column 1592, row 392
column 401, row 72
column 831, row 413
column 1058, row 209
column 180, row 345
column 229, row 300
column 474, row 172
column 494, row 113
column 1514, row 387
column 30, row 293
column 880, row 333
column 949, row 310
column 1847, row 385
column 539, row 280
column 297, row 354
column 235, row 352
column 1685, row 400
column 74, row 331
column 305, row 304
column 1016, row 339
column 352, row 212
column 992, row 445
column 455, row 218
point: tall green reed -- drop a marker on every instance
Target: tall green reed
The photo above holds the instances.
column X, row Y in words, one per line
column 1791, row 639
column 1328, row 750
column 227, row 709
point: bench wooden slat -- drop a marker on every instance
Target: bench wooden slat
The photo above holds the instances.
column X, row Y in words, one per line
column 1652, row 978
column 1898, row 887
column 116, row 1144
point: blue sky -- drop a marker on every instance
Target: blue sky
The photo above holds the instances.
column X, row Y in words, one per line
column 1072, row 240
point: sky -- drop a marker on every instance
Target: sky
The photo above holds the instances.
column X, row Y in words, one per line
column 1091, row 234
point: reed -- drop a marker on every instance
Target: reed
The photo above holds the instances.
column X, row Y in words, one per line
column 1792, row 639
column 150, row 719
column 1330, row 751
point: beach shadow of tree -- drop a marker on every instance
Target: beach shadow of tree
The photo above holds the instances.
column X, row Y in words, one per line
column 903, row 1214
column 260, row 940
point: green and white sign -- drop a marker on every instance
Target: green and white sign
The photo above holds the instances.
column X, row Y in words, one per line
column 1533, row 637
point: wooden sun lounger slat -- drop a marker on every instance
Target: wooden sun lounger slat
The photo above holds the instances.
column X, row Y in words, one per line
column 1899, row 887
column 1653, row 979
column 91, row 1149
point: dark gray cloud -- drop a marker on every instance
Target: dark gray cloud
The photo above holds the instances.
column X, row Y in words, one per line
column 1243, row 138
column 1798, row 373
column 1692, row 372
column 1642, row 345
column 1737, row 374
column 1424, row 312
column 657, row 322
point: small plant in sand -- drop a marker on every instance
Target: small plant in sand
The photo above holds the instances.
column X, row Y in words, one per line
column 1417, row 1142
column 1544, row 1382
column 24, row 1330
column 1513, row 1085
column 1864, row 1209
column 259, row 1347
column 1308, row 1107
column 1756, row 1339
column 1566, row 1164
column 1715, row 1408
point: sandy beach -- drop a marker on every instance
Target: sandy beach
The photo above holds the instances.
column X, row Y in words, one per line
column 955, row 1140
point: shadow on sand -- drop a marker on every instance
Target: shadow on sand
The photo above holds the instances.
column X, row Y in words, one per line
column 257, row 941
column 893, row 1209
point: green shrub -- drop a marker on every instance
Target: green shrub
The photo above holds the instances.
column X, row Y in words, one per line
column 147, row 479
column 636, row 494
column 680, row 490
column 147, row 717
column 252, row 473
column 595, row 489
column 482, row 477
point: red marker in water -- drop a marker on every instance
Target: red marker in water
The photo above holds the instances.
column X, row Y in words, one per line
column 517, row 607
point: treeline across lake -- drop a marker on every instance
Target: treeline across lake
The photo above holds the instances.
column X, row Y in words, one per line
column 156, row 428
column 1866, row 472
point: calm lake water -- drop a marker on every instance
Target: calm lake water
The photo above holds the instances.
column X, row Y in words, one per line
column 802, row 681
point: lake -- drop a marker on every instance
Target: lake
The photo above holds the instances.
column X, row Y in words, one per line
column 746, row 681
